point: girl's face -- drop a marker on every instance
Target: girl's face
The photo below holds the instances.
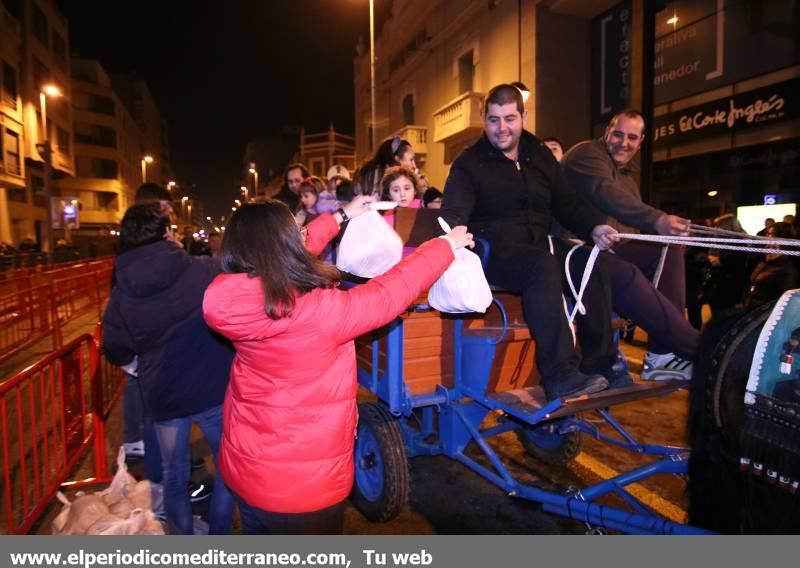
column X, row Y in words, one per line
column 309, row 199
column 401, row 191
column 407, row 160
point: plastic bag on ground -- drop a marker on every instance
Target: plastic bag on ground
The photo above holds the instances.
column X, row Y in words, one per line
column 463, row 287
column 114, row 525
column 83, row 513
column 369, row 246
column 121, row 482
column 147, row 495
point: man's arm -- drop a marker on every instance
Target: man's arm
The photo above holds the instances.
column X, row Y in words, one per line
column 588, row 172
column 571, row 210
column 459, row 196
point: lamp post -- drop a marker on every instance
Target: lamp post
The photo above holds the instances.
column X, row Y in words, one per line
column 145, row 160
column 46, row 151
column 254, row 171
column 171, row 185
column 184, row 202
column 372, row 69
column 244, row 190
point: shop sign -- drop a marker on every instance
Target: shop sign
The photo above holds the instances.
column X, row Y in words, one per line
column 775, row 103
column 611, row 62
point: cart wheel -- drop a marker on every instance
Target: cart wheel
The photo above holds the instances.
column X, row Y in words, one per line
column 381, row 488
column 550, row 447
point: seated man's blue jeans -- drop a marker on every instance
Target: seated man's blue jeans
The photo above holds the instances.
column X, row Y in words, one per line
column 173, row 439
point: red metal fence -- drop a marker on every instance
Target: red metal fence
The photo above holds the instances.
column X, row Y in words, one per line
column 42, row 304
column 51, row 414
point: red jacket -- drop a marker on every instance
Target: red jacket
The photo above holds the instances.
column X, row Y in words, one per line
column 290, row 415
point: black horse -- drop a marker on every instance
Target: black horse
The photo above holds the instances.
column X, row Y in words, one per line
column 726, row 493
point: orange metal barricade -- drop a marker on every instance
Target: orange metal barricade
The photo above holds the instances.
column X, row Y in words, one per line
column 51, row 415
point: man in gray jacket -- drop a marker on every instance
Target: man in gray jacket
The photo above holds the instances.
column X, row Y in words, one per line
column 600, row 171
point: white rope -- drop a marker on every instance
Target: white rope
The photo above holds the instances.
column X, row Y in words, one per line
column 563, row 298
column 660, row 267
column 587, row 273
column 721, row 243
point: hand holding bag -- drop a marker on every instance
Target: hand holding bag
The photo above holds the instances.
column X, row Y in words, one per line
column 463, row 287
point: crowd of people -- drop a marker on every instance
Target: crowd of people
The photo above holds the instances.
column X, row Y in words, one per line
column 255, row 341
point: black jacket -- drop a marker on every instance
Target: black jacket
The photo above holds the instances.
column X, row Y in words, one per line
column 155, row 312
column 514, row 203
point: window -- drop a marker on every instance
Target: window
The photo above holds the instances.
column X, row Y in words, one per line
column 59, row 50
column 39, row 24
column 408, row 109
column 466, row 72
column 317, row 167
column 8, row 81
column 93, row 103
column 12, row 6
column 11, row 155
column 62, row 139
column 37, row 185
column 95, row 135
column 96, row 168
column 18, row 195
column 41, row 74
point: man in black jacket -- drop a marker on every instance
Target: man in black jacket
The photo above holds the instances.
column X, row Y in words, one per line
column 507, row 188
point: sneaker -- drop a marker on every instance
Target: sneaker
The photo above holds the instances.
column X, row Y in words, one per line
column 666, row 367
column 199, row 492
column 574, row 384
column 134, row 449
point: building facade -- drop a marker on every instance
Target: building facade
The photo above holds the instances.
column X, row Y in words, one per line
column 39, row 33
column 583, row 61
column 319, row 152
column 108, row 153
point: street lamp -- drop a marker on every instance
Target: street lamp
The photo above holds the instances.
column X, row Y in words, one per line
column 237, row 202
column 244, row 190
column 372, row 68
column 254, row 171
column 171, row 185
column 46, row 151
column 145, row 160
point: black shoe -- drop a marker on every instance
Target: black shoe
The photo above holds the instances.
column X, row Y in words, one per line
column 197, row 463
column 618, row 379
column 575, row 383
column 200, row 491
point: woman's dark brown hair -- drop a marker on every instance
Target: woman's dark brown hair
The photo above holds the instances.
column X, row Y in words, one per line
column 262, row 240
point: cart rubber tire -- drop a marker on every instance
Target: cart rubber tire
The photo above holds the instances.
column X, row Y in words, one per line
column 552, row 449
column 381, row 486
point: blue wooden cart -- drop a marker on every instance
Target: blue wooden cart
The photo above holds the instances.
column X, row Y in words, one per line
column 444, row 381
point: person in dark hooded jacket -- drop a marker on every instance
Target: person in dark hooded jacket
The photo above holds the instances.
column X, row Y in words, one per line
column 155, row 311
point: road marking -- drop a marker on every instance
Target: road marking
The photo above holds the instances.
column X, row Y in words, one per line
column 656, row 502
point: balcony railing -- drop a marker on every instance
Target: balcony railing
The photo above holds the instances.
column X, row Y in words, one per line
column 417, row 136
column 458, row 118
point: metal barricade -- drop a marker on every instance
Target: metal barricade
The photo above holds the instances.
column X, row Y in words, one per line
column 51, row 415
column 25, row 318
column 43, row 302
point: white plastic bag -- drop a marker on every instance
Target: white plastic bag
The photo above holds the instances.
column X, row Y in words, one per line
column 463, row 287
column 369, row 246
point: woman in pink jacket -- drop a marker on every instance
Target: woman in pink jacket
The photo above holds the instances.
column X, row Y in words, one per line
column 290, row 409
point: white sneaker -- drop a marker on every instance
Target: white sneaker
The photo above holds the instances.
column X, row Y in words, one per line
column 134, row 449
column 666, row 367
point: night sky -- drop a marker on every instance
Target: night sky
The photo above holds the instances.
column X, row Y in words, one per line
column 229, row 71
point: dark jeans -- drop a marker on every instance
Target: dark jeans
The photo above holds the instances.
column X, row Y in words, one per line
column 133, row 410
column 258, row 521
column 539, row 277
column 659, row 312
column 173, row 438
